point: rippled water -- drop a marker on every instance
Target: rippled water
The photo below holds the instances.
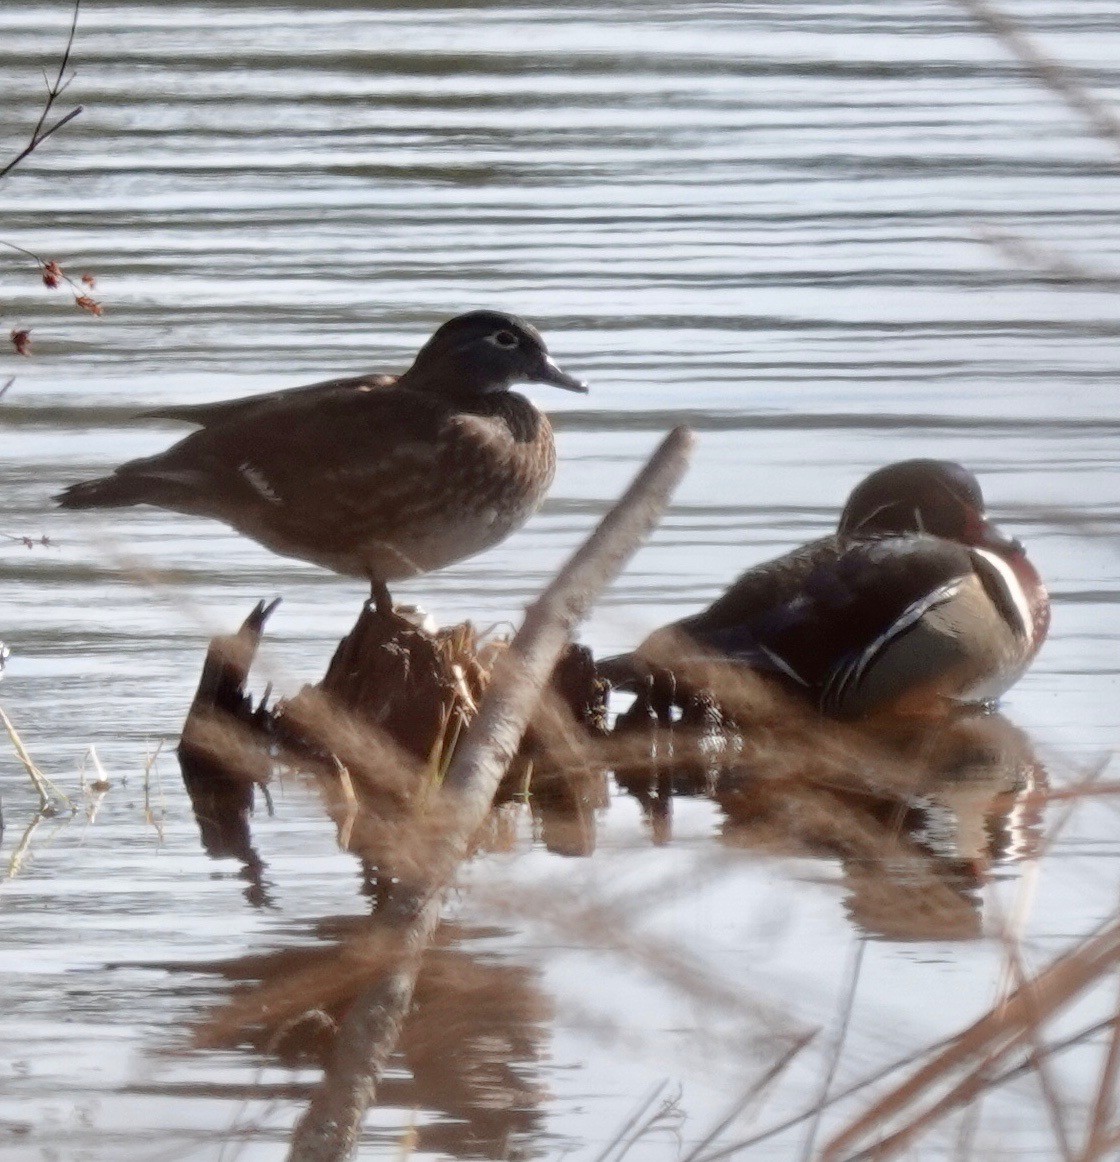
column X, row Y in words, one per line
column 798, row 227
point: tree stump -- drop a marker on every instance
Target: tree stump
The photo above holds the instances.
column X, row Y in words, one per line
column 378, row 730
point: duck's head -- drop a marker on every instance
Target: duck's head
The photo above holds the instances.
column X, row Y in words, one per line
column 482, row 352
column 938, row 497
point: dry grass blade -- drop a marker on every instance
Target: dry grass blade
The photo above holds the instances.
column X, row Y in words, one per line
column 753, row 1091
column 1101, row 1133
column 640, row 1113
column 783, row 733
column 838, row 1048
column 612, row 925
column 373, row 758
column 19, row 852
column 1053, row 74
column 1094, row 789
column 667, row 1115
column 151, row 765
column 983, row 1046
column 1043, row 260
column 1055, row 1107
column 1051, row 1049
column 43, row 785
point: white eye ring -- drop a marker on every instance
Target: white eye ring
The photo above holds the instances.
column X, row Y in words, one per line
column 507, row 340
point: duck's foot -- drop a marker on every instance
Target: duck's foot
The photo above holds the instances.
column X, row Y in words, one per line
column 380, row 597
column 381, row 607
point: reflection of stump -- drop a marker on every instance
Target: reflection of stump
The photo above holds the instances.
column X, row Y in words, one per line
column 567, row 784
column 219, row 753
column 668, row 754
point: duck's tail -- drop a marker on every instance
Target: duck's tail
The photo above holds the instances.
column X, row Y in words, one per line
column 124, row 488
column 108, row 492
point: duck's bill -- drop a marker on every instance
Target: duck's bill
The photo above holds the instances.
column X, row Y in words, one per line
column 549, row 371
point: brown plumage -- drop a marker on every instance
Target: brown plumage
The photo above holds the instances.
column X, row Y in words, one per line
column 373, row 476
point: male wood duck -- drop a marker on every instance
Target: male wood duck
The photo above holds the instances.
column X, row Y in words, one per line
column 917, row 602
column 375, row 476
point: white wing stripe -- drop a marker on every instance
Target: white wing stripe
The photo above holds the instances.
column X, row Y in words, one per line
column 259, row 481
column 852, row 674
column 1012, row 587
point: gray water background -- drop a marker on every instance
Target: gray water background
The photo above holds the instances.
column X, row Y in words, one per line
column 796, row 227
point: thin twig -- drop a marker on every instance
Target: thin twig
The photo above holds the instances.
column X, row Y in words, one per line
column 53, row 274
column 838, row 1048
column 28, row 542
column 55, row 89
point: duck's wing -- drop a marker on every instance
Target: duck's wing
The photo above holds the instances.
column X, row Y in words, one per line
column 332, row 468
column 846, row 689
column 727, row 625
column 753, row 596
column 849, row 614
column 230, row 410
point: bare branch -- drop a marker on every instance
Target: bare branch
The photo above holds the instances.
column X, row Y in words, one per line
column 55, row 89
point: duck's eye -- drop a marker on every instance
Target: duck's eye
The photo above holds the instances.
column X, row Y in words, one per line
column 507, row 340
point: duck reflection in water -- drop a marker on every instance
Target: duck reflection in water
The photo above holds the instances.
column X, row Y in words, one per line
column 917, row 812
column 916, row 848
column 908, row 623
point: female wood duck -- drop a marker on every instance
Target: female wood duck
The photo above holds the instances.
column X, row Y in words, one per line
column 375, row 476
column 917, row 602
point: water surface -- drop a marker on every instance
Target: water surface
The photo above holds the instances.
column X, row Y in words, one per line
column 797, row 227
